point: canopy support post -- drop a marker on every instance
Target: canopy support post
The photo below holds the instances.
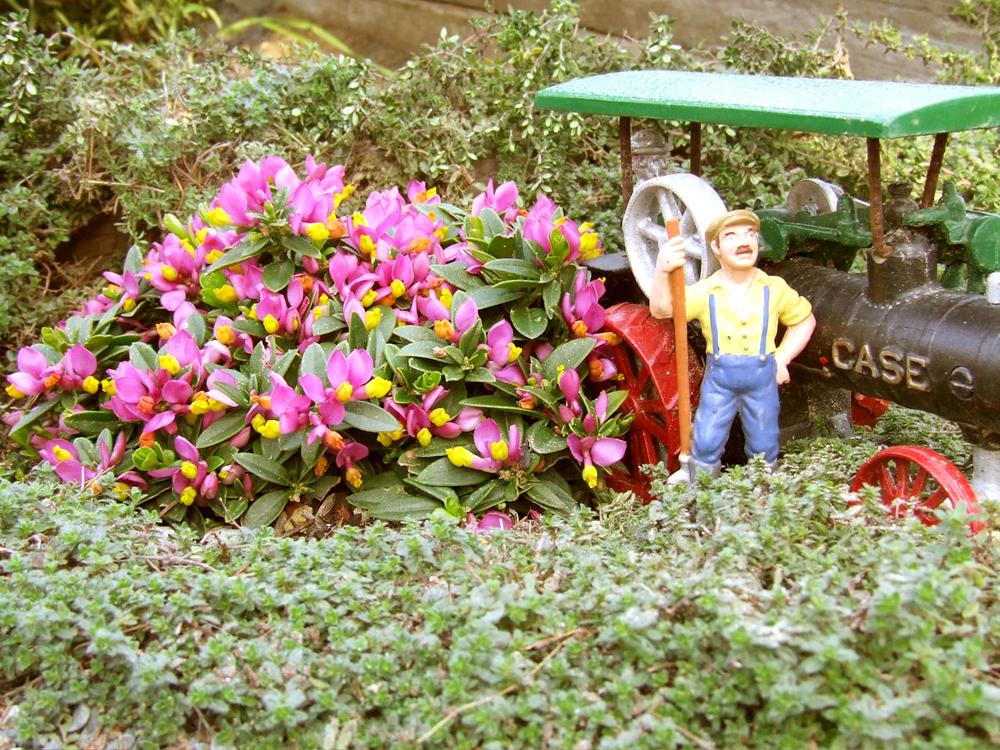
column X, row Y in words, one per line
column 695, row 130
column 934, row 170
column 880, row 250
column 625, row 147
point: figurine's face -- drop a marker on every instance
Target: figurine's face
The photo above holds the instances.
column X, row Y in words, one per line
column 736, row 246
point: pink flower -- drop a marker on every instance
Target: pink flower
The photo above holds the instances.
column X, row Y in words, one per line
column 502, row 200
column 503, row 357
column 34, row 374
column 494, row 452
column 192, row 481
column 63, row 455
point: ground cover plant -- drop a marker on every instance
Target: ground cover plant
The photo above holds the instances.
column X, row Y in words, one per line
column 758, row 611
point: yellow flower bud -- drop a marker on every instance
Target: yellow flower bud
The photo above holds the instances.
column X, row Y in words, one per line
column 353, row 477
column 169, row 273
column 588, row 246
column 398, row 288
column 368, row 247
column 128, row 304
column 372, row 318
column 459, row 456
column 271, row 429
column 590, row 476
column 499, row 450
column 217, row 217
column 444, row 297
column 165, row 330
column 213, row 256
column 108, row 386
column 358, row 219
column 201, row 236
column 424, row 437
column 199, row 406
column 91, row 384
column 378, row 387
column 258, row 422
column 344, row 392
column 61, row 453
column 271, row 324
column 13, row 392
column 169, row 363
column 188, row 495
column 225, row 335
column 317, row 231
column 514, row 353
column 226, row 294
column 439, row 417
column 369, row 298
column 579, row 329
column 189, row 470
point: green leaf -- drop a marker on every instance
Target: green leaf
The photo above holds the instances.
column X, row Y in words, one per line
column 458, row 276
column 300, row 246
column 492, row 223
column 327, row 324
column 143, row 357
column 252, row 327
column 221, row 430
column 480, row 375
column 265, row 468
column 314, row 360
column 284, row 362
column 265, row 509
column 489, row 296
column 552, row 493
column 444, row 472
column 551, row 294
column 424, row 349
column 33, row 415
column 197, row 328
column 530, row 322
column 541, row 439
column 416, row 333
column 250, row 246
column 357, row 337
column 443, row 494
column 488, row 496
column 91, row 422
column 567, row 355
column 278, row 274
column 393, row 503
column 497, row 401
column 513, row 268
column 369, row 417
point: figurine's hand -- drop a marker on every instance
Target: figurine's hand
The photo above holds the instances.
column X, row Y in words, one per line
column 782, row 376
column 671, row 254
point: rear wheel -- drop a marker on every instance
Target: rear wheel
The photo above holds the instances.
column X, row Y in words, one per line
column 646, row 360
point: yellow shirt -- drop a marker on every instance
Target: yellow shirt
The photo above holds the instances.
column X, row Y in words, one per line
column 740, row 329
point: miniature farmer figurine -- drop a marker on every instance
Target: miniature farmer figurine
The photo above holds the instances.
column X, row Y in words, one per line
column 739, row 307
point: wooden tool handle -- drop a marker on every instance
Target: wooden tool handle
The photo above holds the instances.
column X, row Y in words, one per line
column 679, row 313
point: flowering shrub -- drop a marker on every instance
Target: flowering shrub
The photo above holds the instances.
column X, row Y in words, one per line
column 269, row 349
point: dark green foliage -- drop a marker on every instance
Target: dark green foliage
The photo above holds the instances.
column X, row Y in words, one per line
column 760, row 611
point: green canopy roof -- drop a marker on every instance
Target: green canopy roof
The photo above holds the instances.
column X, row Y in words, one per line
column 872, row 109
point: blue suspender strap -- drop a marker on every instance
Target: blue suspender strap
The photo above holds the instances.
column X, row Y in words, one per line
column 767, row 316
column 715, row 325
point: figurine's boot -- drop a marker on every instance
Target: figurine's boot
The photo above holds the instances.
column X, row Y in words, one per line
column 690, row 468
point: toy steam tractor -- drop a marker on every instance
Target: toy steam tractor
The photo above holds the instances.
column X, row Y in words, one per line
column 902, row 332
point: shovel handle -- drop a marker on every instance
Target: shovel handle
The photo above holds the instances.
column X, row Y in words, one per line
column 679, row 313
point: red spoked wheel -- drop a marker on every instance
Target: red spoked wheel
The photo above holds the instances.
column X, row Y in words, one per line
column 645, row 359
column 915, row 479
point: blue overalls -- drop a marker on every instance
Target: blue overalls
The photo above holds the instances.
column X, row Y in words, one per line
column 744, row 382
